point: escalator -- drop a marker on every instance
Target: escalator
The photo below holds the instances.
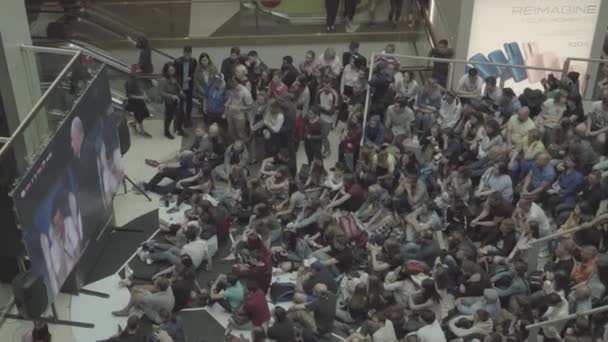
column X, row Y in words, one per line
column 117, row 70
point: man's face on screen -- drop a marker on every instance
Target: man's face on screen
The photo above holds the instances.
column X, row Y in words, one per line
column 58, row 226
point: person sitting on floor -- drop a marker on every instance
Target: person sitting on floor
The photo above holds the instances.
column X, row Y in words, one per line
column 133, row 332
column 195, row 247
column 236, row 154
column 151, row 299
column 254, row 312
column 228, row 292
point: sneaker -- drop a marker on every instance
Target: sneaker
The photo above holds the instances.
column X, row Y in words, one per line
column 152, row 162
column 128, row 272
column 173, row 210
column 124, row 283
column 149, row 261
column 169, row 136
column 141, row 185
column 146, row 134
column 143, row 255
column 133, row 126
column 120, row 313
column 230, row 257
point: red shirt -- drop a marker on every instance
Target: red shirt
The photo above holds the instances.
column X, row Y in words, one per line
column 256, row 308
column 277, row 89
column 357, row 197
column 352, row 138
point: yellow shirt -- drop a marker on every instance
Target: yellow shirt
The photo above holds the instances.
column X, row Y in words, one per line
column 519, row 130
column 531, row 150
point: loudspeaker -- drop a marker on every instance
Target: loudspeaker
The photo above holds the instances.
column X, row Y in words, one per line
column 30, row 294
column 124, row 136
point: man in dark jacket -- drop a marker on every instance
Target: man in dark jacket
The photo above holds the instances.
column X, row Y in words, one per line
column 184, row 69
column 229, row 63
column 288, row 71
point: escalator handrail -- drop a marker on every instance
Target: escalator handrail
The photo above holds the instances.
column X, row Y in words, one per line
column 122, row 35
column 95, row 10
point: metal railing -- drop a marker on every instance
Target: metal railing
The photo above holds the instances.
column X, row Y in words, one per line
column 39, row 104
column 590, row 77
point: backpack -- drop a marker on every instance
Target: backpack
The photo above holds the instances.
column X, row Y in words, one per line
column 535, row 281
column 282, row 292
column 352, row 232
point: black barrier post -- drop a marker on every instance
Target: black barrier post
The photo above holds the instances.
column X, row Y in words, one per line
column 51, row 320
column 137, row 187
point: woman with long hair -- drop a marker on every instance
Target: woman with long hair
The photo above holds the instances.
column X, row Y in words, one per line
column 375, row 294
column 204, row 73
column 428, row 298
column 171, row 92
column 310, row 63
column 278, row 185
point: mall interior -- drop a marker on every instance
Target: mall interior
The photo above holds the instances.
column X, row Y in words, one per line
column 303, row 170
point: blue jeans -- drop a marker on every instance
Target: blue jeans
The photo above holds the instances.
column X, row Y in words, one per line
column 520, row 168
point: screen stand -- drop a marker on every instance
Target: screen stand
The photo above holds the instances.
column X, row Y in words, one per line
column 137, row 187
column 52, row 320
column 94, row 293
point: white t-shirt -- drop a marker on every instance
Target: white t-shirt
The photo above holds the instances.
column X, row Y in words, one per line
column 431, row 333
column 449, row 114
column 386, row 333
column 470, row 86
column 196, row 250
column 537, row 214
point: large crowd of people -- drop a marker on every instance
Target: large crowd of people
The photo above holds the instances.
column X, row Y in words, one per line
column 426, row 227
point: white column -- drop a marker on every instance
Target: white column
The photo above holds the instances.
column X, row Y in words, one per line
column 20, row 84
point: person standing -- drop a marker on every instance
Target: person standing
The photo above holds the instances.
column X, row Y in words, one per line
column 185, row 67
column 145, row 56
column 238, row 105
column 256, row 69
column 171, row 92
column 353, row 51
column 230, row 63
column 440, row 69
column 289, row 73
column 313, row 137
column 331, row 9
column 394, row 13
column 136, row 102
column 203, row 76
column 350, row 7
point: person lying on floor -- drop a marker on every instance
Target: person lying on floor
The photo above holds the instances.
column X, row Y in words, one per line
column 209, row 143
column 150, row 299
column 188, row 166
column 196, row 248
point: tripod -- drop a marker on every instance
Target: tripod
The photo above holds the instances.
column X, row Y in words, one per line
column 137, row 187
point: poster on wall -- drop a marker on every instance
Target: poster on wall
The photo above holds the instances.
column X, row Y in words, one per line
column 540, row 33
column 65, row 198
